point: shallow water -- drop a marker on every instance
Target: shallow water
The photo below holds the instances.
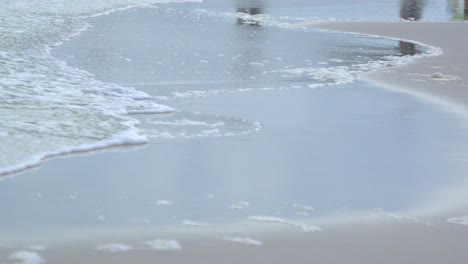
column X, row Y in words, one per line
column 283, row 127
column 37, row 88
column 46, row 107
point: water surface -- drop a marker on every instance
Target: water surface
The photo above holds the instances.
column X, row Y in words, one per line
column 271, row 119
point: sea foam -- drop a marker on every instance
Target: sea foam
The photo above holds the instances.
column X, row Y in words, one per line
column 114, row 248
column 164, row 245
column 244, row 240
column 48, row 108
column 277, row 220
column 26, row 257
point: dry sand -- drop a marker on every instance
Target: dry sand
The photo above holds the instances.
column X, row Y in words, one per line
column 394, row 241
column 387, row 242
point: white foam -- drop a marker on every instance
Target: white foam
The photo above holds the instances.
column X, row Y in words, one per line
column 186, row 122
column 199, row 126
column 114, row 248
column 380, row 213
column 463, row 220
column 195, row 94
column 239, row 205
column 438, row 76
column 277, row 220
column 26, row 257
column 244, row 240
column 193, row 223
column 303, row 214
column 164, row 245
column 129, row 137
column 332, row 75
column 164, row 203
column 257, row 64
column 304, row 207
column 49, row 108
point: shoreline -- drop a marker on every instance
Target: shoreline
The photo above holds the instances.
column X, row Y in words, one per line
column 416, row 77
column 362, row 242
column 392, row 241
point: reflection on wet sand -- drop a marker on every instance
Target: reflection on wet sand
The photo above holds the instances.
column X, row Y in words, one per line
column 411, row 10
column 249, row 33
column 407, row 48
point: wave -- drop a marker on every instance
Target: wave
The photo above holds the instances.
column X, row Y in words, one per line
column 48, row 108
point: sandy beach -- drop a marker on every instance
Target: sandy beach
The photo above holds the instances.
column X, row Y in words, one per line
column 199, row 198
column 383, row 241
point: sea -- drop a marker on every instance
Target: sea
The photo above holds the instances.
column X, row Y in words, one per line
column 241, row 108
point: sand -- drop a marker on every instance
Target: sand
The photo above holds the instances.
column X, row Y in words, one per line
column 389, row 241
column 384, row 242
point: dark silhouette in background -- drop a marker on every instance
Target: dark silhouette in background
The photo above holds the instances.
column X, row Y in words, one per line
column 410, row 10
column 466, row 10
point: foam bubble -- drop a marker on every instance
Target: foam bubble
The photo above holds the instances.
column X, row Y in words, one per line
column 463, row 220
column 277, row 220
column 114, row 248
column 438, row 76
column 239, row 205
column 243, row 240
column 27, row 257
column 193, row 223
column 193, row 125
column 164, row 245
column 303, row 214
column 164, row 203
column 304, row 207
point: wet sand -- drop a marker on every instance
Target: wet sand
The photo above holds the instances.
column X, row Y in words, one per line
column 421, row 77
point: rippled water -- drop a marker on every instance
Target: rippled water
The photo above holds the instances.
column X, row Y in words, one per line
column 47, row 107
column 329, row 141
column 266, row 113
